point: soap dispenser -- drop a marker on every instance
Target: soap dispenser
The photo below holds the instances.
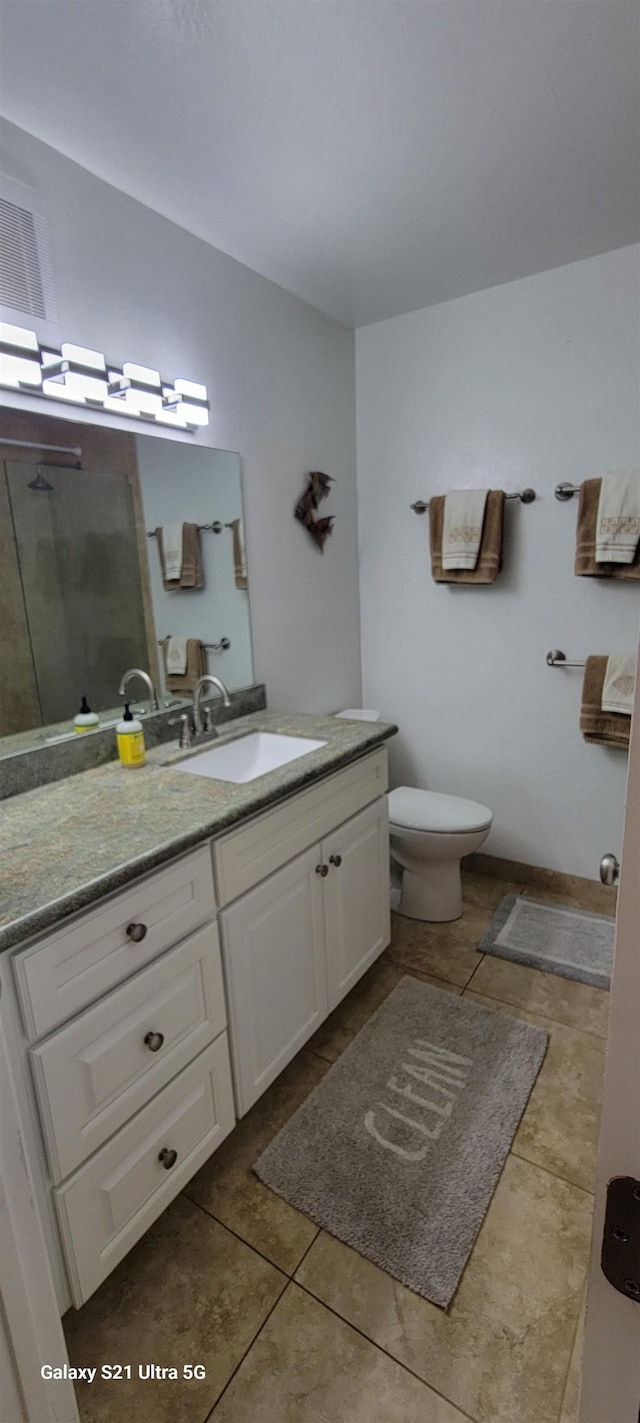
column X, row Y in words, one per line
column 130, row 739
column 86, row 720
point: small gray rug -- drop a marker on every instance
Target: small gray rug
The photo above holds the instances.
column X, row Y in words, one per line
column 399, row 1149
column 571, row 942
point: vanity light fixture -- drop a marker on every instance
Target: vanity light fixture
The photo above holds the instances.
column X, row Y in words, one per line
column 19, row 358
column 78, row 372
column 80, row 376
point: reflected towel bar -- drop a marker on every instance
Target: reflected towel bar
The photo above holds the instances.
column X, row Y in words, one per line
column 558, row 659
column 566, row 491
column 526, row 496
column 222, row 646
column 216, row 528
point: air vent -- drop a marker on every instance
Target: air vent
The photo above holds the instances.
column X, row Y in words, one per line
column 26, row 280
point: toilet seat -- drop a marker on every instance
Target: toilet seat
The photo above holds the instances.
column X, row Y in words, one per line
column 430, row 811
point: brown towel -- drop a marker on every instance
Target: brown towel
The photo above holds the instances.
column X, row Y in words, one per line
column 239, row 555
column 490, row 557
column 191, row 575
column 585, row 565
column 196, row 667
column 603, row 728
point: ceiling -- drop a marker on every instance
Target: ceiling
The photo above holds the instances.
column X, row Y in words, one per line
column 372, row 156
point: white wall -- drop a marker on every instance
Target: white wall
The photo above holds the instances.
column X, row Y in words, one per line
column 529, row 383
column 281, row 383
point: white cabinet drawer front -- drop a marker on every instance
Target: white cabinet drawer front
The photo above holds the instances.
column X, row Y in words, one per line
column 112, row 1200
column 273, row 947
column 246, row 856
column 93, row 1074
column 60, row 975
column 356, row 897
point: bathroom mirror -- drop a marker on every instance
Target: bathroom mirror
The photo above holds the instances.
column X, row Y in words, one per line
column 82, row 593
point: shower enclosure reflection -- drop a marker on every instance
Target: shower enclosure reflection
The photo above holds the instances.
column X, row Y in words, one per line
column 76, row 545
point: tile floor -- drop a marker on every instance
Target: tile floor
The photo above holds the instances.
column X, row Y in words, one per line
column 294, row 1327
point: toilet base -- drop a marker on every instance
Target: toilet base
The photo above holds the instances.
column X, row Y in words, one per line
column 435, row 896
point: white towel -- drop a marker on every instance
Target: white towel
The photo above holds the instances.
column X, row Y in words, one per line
column 618, row 522
column 464, row 511
column 175, row 656
column 172, row 542
column 618, row 688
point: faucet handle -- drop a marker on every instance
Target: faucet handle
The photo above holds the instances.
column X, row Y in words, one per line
column 186, row 730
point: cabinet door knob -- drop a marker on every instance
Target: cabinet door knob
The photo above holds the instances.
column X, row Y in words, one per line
column 137, row 932
column 168, row 1157
column 154, row 1041
column 335, row 860
column 322, row 870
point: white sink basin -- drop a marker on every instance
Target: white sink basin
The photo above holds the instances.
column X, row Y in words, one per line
column 249, row 757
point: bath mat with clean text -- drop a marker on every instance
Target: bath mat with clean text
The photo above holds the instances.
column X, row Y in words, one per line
column 399, row 1148
column 571, row 942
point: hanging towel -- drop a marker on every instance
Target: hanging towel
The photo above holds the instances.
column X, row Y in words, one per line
column 175, row 655
column 586, row 565
column 190, row 571
column 618, row 522
column 619, row 685
column 171, row 535
column 464, row 511
column 195, row 665
column 239, row 554
column 602, row 728
column 489, row 560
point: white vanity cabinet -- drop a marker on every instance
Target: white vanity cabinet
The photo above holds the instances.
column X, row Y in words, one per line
column 125, row 1043
column 296, row 944
column 133, row 1021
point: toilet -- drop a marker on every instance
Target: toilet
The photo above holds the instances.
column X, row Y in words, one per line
column 430, row 833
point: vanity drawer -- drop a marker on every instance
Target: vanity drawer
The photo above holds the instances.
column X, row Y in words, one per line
column 246, row 856
column 93, row 1074
column 60, row 975
column 112, row 1200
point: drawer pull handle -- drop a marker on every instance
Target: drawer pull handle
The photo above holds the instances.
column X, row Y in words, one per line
column 168, row 1157
column 322, row 870
column 335, row 860
column 154, row 1041
column 137, row 932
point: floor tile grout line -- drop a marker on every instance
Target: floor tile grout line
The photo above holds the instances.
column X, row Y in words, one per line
column 559, row 1022
column 210, row 1216
column 555, row 1174
column 429, row 973
column 247, row 1351
column 573, row 1345
column 381, row 1349
column 481, row 959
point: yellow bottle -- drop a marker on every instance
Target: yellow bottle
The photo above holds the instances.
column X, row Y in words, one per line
column 130, row 738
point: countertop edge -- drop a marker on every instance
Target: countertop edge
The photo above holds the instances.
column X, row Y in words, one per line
column 52, row 914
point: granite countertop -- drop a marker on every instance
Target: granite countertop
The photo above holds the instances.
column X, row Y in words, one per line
column 66, row 845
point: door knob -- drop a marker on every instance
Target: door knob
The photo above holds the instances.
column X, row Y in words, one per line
column 609, row 869
column 168, row 1157
column 335, row 860
column 322, row 870
column 154, row 1041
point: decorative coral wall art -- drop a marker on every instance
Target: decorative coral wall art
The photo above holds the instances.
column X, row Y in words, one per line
column 318, row 488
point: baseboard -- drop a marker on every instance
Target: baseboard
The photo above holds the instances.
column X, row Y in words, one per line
column 587, row 893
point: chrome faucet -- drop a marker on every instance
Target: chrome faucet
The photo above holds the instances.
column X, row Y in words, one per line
column 137, row 672
column 207, row 680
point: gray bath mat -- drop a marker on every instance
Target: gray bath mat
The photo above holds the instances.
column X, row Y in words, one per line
column 398, row 1150
column 570, row 942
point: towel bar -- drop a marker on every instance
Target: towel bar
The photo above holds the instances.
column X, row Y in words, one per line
column 558, row 659
column 216, row 528
column 222, row 646
column 526, row 496
column 566, row 491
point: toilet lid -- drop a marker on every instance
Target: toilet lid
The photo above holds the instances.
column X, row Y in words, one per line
column 414, row 809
